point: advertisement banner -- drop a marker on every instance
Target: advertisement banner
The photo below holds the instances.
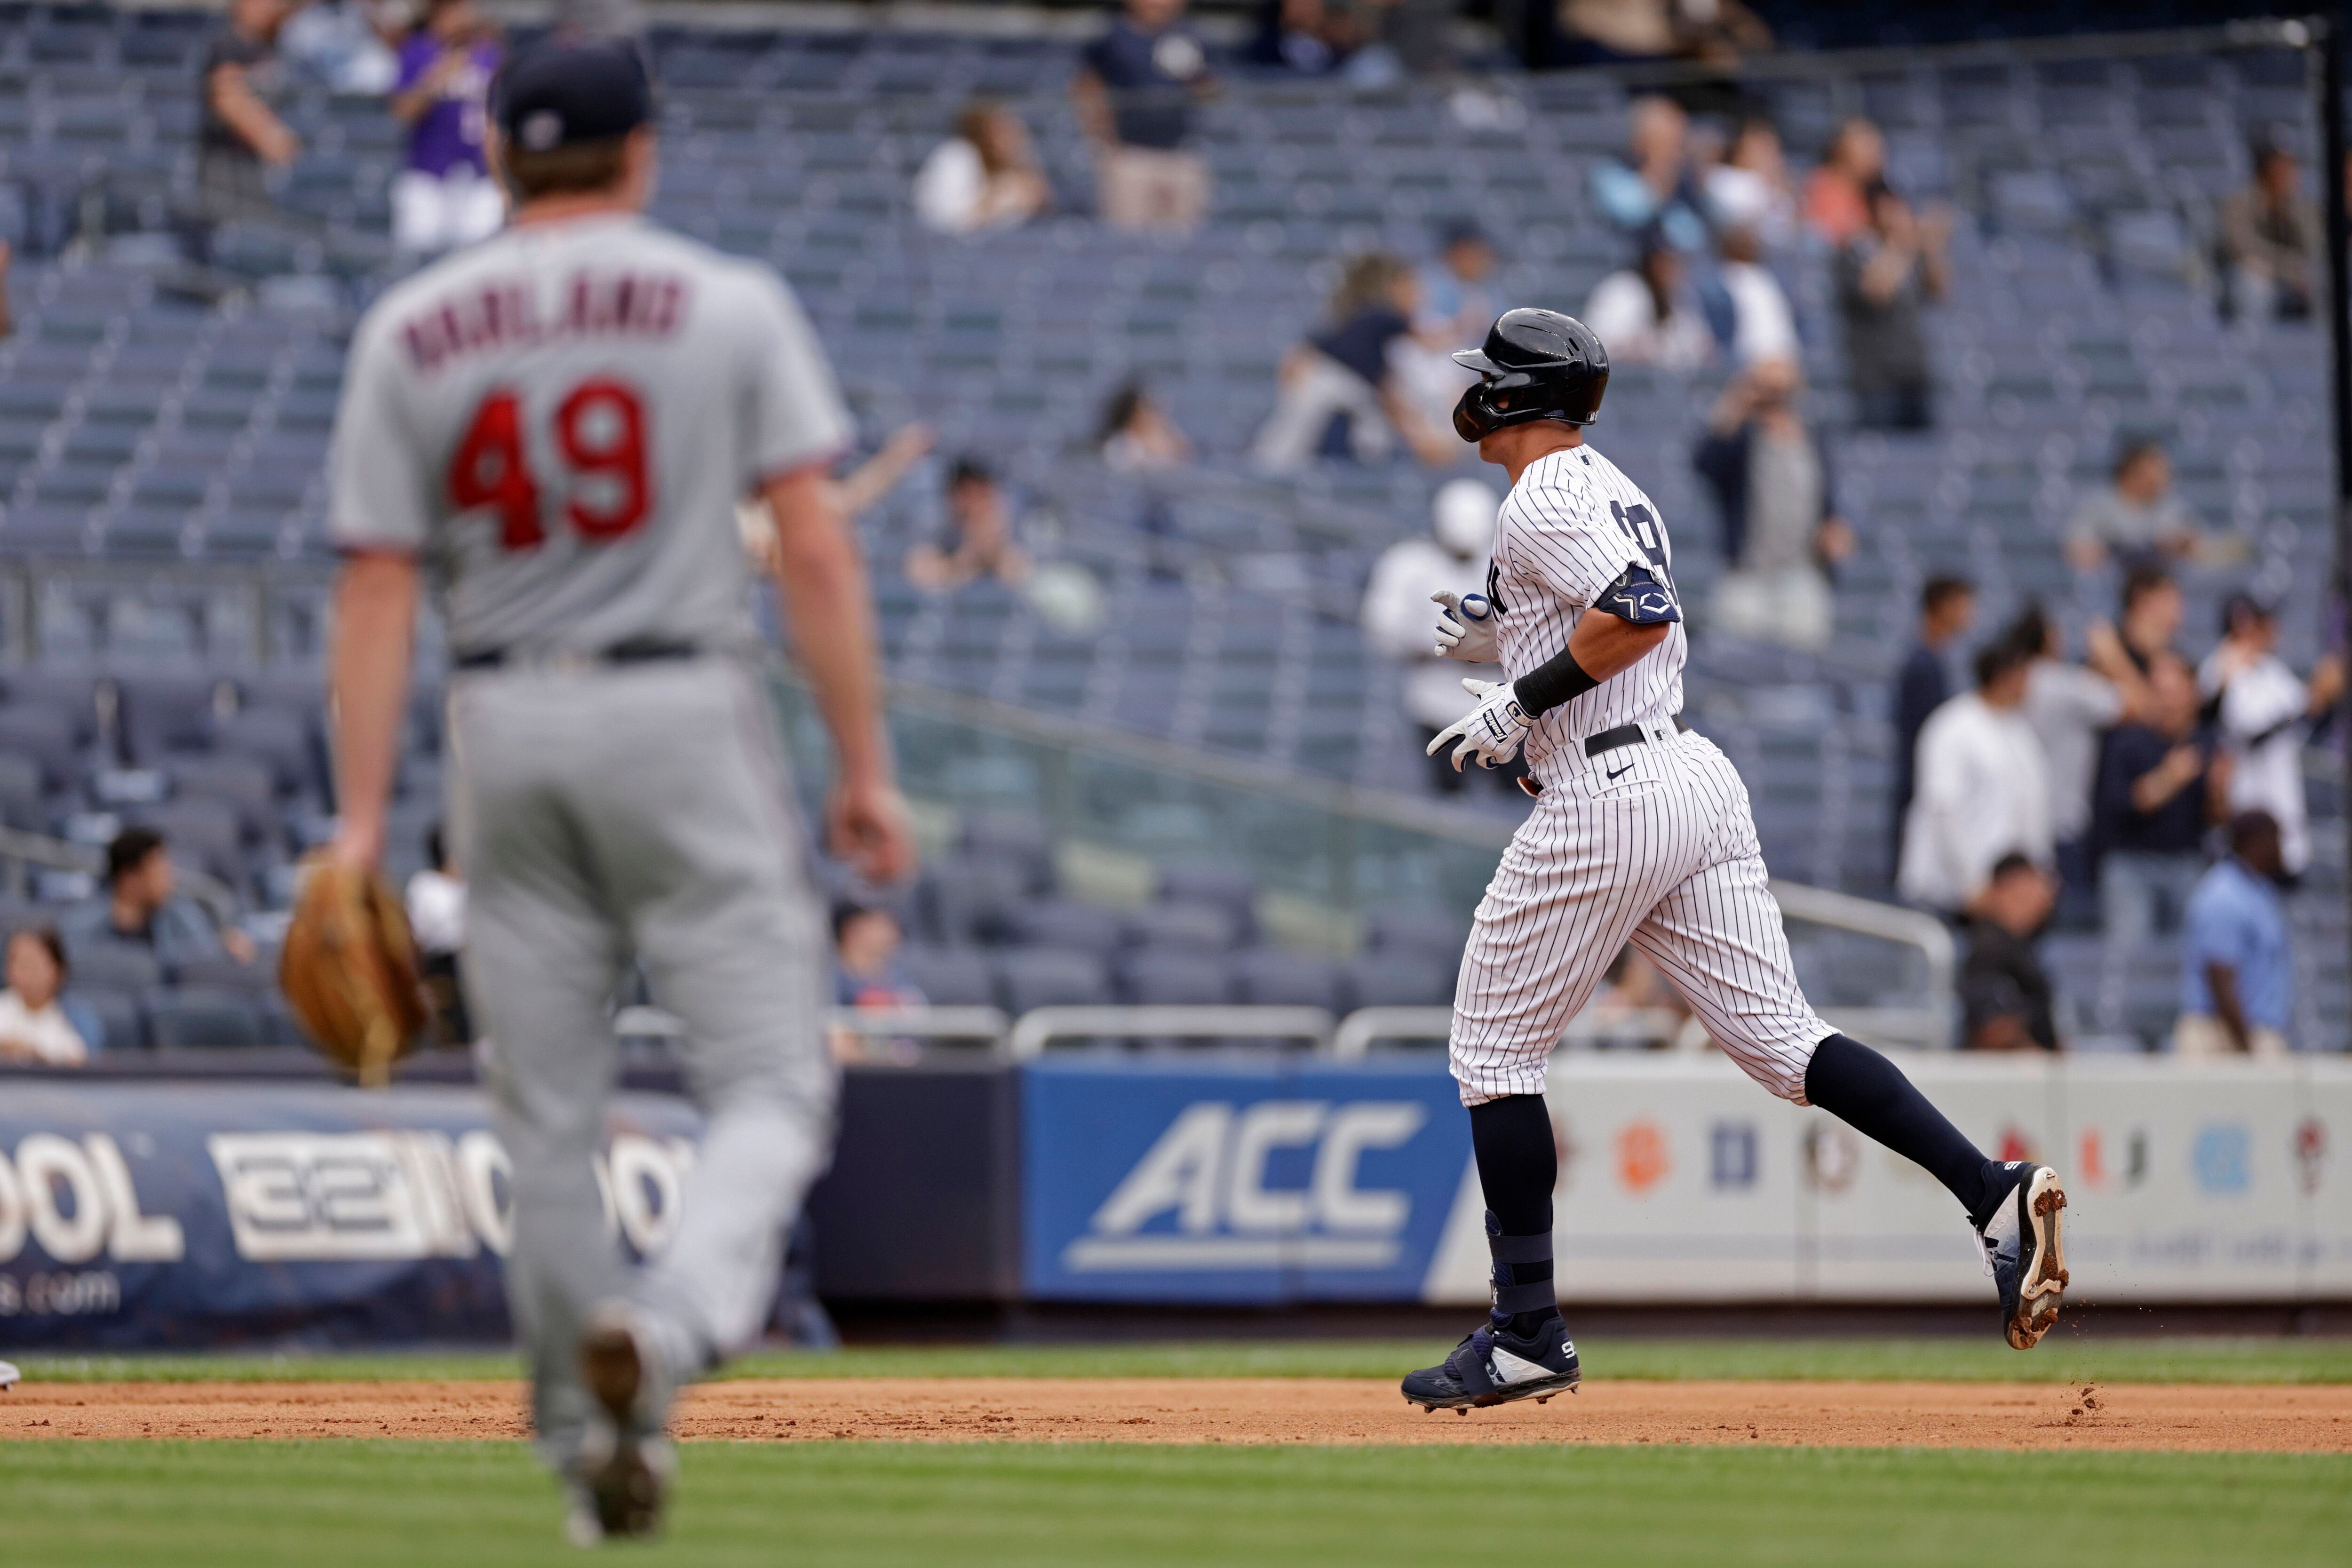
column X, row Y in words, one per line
column 1261, row 1181
column 146, row 1215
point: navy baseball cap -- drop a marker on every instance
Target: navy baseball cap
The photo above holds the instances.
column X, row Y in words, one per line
column 562, row 92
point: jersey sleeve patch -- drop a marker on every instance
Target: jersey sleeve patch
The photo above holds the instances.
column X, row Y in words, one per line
column 1640, row 599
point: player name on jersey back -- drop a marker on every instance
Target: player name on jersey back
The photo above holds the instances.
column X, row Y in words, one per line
column 520, row 311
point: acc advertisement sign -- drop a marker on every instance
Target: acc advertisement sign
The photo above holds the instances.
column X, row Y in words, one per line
column 1266, row 1182
column 145, row 1216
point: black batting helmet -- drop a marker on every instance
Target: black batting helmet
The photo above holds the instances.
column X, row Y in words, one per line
column 1536, row 364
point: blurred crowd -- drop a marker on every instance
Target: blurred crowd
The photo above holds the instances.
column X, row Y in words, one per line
column 2138, row 792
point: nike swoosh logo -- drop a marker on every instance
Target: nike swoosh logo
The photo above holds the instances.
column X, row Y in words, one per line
column 1626, row 769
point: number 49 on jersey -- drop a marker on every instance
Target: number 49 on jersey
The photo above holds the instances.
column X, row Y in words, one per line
column 608, row 486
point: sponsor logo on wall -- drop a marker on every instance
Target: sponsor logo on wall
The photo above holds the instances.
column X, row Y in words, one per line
column 1732, row 1164
column 1215, row 1170
column 1643, row 1158
column 1832, row 1155
column 2310, row 1154
column 2222, row 1159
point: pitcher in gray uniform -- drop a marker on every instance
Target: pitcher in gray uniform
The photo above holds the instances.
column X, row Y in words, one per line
column 555, row 425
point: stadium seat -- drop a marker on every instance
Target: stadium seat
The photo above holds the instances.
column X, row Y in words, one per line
column 1175, row 978
column 119, row 1020
column 113, row 967
column 200, row 1017
column 949, row 976
column 1269, row 977
column 1396, row 979
column 1067, row 925
column 968, row 900
column 1181, row 928
column 1027, row 978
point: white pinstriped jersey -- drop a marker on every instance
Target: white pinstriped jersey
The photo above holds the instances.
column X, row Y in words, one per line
column 1569, row 529
column 1651, row 842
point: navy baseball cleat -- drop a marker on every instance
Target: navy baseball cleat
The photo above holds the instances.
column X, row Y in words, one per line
column 1496, row 1366
column 625, row 1462
column 2024, row 1254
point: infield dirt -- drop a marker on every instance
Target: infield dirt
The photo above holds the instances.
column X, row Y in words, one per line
column 2215, row 1418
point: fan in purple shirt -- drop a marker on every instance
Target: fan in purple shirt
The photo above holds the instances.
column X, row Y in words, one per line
column 445, row 198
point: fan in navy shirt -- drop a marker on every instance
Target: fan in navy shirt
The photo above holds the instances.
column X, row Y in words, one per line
column 1134, row 93
column 1947, row 608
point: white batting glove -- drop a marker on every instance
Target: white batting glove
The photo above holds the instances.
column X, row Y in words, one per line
column 1467, row 630
column 1491, row 731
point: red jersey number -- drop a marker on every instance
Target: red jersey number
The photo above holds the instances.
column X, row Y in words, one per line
column 600, row 428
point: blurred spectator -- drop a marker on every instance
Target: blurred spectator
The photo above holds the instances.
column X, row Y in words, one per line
column 1649, row 313
column 2135, row 517
column 1338, row 393
column 1606, row 32
column 1750, row 189
column 1781, row 532
column 2262, row 708
column 1885, row 276
column 348, row 44
column 1398, row 614
column 2270, row 239
column 867, row 969
column 143, row 907
column 2070, row 706
column 856, row 492
column 1762, row 326
column 436, row 899
column 984, row 176
column 1948, row 608
column 34, row 1026
column 1327, row 37
column 1635, row 1004
column 979, row 540
column 2005, row 994
column 2152, row 609
column 1837, row 193
column 1455, row 310
column 240, row 137
column 446, row 197
column 1982, row 790
column 1653, row 188
column 2237, row 961
column 1137, row 437
column 1134, row 93
column 2158, row 791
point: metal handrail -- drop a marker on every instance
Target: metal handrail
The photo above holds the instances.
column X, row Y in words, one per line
column 988, row 1023
column 1036, row 1027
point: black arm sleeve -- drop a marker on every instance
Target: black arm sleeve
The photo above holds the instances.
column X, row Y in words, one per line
column 1638, row 599
column 1552, row 683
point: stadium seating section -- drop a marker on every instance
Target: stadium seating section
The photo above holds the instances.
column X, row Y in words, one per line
column 161, row 458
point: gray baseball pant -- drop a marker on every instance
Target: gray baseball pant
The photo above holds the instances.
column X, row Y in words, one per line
column 641, row 809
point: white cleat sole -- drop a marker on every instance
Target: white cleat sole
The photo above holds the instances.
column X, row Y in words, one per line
column 2044, row 1288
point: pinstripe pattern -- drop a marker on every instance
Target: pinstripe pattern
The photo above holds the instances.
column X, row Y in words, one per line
column 1651, row 844
column 1558, row 547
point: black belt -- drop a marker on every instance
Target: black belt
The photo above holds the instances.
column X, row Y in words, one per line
column 634, row 650
column 1625, row 735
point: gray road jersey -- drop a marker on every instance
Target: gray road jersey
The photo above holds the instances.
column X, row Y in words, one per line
column 560, row 421
column 1569, row 529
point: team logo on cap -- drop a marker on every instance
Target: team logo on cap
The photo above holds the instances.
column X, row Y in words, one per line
column 541, row 130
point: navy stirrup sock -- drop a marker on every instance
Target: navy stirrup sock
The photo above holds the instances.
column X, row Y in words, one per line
column 1869, row 1093
column 1517, row 1168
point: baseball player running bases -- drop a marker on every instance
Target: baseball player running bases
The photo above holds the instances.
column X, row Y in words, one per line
column 557, row 424
column 1640, row 833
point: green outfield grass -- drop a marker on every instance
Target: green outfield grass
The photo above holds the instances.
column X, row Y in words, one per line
column 359, row 1504
column 2058, row 1359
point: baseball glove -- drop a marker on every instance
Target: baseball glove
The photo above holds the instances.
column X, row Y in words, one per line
column 348, row 970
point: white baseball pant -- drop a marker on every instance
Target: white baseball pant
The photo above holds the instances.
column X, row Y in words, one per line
column 1652, row 844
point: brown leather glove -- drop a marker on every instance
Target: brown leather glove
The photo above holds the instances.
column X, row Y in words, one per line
column 348, row 970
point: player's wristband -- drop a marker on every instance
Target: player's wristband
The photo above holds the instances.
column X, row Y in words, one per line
column 1552, row 683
